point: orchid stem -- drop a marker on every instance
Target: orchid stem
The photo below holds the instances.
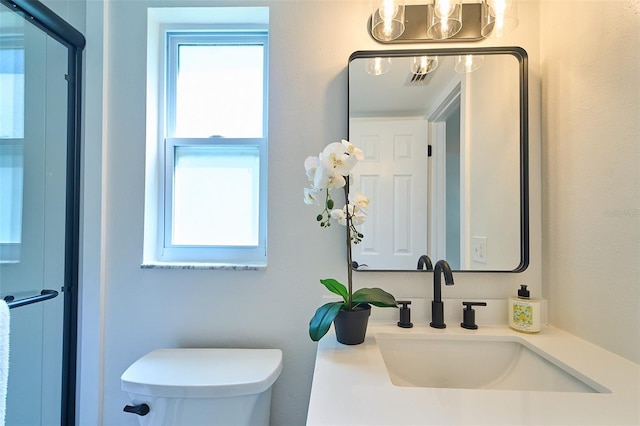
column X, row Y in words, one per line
column 349, row 262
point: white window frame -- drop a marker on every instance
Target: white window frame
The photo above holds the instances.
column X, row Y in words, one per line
column 224, row 257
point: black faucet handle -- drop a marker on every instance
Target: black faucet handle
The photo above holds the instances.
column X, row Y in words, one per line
column 470, row 304
column 405, row 314
column 469, row 315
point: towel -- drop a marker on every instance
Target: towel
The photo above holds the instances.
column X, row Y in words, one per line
column 4, row 357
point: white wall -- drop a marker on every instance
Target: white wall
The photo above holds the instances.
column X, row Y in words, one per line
column 128, row 311
column 591, row 161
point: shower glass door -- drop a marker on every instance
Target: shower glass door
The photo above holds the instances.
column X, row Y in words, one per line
column 33, row 197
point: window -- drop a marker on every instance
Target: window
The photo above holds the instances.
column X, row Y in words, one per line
column 11, row 146
column 213, row 145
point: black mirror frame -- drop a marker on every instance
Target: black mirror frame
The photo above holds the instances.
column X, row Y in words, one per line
column 521, row 55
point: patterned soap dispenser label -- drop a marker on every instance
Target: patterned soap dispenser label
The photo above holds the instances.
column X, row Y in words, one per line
column 523, row 316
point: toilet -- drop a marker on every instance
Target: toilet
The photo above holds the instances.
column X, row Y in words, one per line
column 202, row 386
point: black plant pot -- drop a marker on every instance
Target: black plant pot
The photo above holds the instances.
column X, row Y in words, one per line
column 351, row 326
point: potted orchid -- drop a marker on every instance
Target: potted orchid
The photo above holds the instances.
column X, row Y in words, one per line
column 328, row 171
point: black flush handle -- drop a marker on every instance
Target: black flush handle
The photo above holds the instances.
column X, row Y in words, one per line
column 140, row 409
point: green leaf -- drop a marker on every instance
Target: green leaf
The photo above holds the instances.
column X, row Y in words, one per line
column 374, row 296
column 322, row 319
column 336, row 287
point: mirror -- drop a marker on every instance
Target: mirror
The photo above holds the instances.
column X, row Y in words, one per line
column 445, row 138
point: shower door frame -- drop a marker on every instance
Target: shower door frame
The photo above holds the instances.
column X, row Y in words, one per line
column 44, row 18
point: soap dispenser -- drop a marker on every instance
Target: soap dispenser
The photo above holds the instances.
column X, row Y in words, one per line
column 524, row 312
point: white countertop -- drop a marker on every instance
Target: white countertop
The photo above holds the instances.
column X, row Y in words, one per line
column 351, row 387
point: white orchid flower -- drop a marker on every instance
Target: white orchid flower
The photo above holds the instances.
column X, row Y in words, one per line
column 352, row 150
column 340, row 216
column 327, row 177
column 357, row 217
column 329, row 170
column 359, row 199
column 336, row 155
column 311, row 196
column 310, row 165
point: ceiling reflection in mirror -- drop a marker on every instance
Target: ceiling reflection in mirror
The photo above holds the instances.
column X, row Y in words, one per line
column 444, row 133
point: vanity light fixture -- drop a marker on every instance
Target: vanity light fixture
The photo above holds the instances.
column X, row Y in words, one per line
column 378, row 65
column 441, row 20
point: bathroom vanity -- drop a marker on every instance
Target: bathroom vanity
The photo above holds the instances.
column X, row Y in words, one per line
column 453, row 376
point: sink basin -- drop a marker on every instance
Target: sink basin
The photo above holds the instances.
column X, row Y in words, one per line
column 477, row 362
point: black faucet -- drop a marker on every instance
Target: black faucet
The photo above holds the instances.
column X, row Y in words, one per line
column 423, row 261
column 437, row 307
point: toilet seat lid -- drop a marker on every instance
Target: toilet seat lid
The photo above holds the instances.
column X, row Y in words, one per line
column 203, row 372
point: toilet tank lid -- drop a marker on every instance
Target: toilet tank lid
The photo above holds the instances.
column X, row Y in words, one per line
column 203, row 372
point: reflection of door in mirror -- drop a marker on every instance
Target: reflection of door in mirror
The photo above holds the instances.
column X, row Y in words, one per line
column 393, row 175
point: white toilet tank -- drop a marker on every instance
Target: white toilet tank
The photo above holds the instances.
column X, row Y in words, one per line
column 181, row 387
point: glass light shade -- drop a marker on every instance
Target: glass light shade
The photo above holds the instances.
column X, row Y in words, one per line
column 423, row 64
column 467, row 63
column 499, row 17
column 444, row 19
column 387, row 19
column 378, row 66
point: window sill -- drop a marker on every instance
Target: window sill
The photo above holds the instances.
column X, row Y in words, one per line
column 198, row 265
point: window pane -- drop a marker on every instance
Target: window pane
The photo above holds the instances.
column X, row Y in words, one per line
column 10, row 193
column 216, row 194
column 11, row 185
column 11, row 93
column 219, row 91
